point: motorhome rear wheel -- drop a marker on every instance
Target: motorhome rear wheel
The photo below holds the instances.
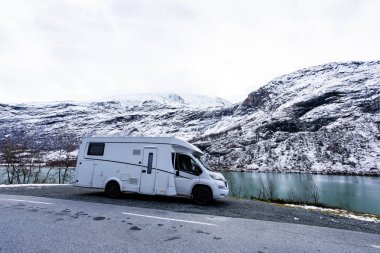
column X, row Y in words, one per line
column 112, row 190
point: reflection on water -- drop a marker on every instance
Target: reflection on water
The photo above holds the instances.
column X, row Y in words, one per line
column 358, row 193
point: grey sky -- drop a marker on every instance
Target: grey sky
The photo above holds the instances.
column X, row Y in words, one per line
column 83, row 50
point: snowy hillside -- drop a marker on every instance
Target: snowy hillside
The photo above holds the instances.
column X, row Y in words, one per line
column 321, row 119
column 138, row 114
column 189, row 100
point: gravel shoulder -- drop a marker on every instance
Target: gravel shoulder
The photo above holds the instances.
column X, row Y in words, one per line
column 228, row 207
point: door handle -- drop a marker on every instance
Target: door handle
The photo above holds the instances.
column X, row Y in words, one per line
column 143, row 171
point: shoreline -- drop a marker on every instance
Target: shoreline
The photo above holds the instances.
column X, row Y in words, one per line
column 364, row 174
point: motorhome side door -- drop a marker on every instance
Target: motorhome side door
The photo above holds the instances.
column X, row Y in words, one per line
column 186, row 174
column 84, row 173
column 148, row 171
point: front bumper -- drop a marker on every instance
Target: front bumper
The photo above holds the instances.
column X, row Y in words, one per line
column 220, row 189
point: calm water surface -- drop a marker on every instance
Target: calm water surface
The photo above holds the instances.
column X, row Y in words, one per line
column 358, row 193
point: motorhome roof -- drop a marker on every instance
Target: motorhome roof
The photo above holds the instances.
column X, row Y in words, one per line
column 154, row 140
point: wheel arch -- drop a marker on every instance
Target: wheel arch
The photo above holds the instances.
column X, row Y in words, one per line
column 201, row 185
column 113, row 179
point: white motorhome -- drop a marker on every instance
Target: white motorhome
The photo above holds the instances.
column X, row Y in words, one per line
column 147, row 165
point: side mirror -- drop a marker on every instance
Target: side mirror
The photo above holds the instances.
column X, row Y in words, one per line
column 177, row 173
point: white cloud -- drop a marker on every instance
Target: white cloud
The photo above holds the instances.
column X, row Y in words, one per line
column 72, row 50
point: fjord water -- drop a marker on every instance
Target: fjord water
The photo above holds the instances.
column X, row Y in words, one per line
column 357, row 193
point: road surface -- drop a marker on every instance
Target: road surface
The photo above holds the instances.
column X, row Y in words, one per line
column 228, row 207
column 36, row 224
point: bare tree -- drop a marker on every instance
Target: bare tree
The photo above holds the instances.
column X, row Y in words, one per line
column 262, row 189
column 66, row 143
column 22, row 160
column 10, row 157
column 267, row 191
column 310, row 192
column 272, row 189
column 291, row 195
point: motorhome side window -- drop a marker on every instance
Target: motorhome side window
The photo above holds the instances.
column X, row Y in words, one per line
column 186, row 164
column 173, row 159
column 150, row 163
column 95, row 148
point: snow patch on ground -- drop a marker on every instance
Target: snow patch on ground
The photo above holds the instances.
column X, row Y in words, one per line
column 340, row 212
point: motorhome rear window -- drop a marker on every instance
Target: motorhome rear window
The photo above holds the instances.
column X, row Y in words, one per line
column 96, row 149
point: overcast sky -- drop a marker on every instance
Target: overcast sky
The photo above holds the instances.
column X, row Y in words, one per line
column 83, row 50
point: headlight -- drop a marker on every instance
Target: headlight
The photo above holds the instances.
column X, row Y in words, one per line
column 216, row 177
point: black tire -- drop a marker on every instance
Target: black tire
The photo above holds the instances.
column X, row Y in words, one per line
column 202, row 195
column 112, row 190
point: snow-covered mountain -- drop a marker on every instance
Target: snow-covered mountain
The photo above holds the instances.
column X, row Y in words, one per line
column 320, row 119
column 137, row 114
column 189, row 100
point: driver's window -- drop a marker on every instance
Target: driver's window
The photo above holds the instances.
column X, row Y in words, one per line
column 186, row 164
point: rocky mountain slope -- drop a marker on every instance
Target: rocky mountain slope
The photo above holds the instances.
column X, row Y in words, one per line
column 139, row 114
column 323, row 119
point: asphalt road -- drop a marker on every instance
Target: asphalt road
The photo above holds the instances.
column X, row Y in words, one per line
column 35, row 224
column 228, row 207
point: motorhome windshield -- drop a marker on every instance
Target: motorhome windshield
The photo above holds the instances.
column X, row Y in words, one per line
column 203, row 162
